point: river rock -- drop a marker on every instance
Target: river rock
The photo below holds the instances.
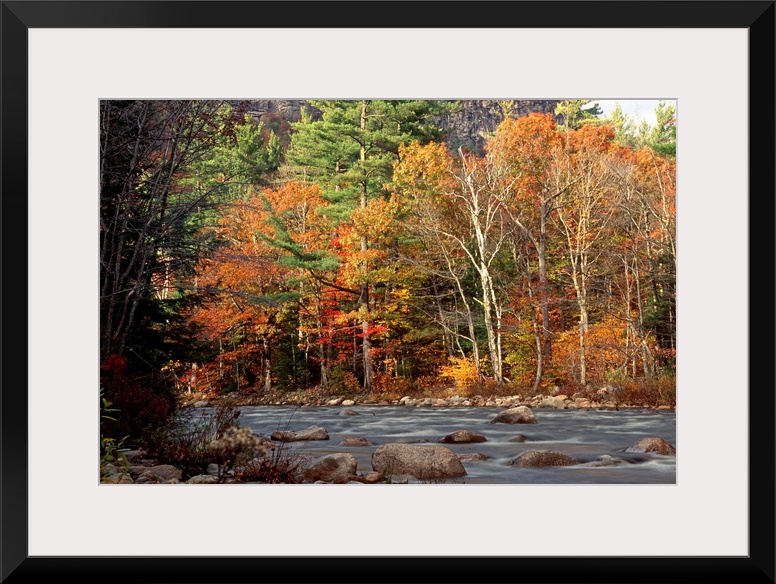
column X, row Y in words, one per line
column 355, row 441
column 337, row 468
column 121, row 478
column 421, row 461
column 462, row 437
column 311, row 433
column 348, row 413
column 162, row 472
column 202, row 479
column 135, row 456
column 552, row 402
column 516, row 415
column 372, row 477
column 536, row 458
column 472, row 456
column 606, row 460
column 652, row 444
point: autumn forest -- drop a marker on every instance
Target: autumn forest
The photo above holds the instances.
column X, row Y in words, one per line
column 365, row 248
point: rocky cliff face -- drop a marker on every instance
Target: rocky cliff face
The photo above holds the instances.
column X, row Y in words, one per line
column 477, row 118
column 468, row 127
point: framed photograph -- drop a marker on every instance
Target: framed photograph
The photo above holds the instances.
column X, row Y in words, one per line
column 66, row 63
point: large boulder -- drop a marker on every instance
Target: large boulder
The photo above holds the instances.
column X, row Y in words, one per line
column 652, row 444
column 516, row 415
column 311, row 433
column 420, row 461
column 332, row 468
column 462, row 437
column 535, row 458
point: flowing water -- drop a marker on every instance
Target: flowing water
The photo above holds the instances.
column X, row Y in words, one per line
column 582, row 434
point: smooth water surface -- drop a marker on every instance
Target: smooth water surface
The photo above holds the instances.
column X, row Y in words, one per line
column 584, row 435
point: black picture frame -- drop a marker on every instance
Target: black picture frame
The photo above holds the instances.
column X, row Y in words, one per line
column 15, row 564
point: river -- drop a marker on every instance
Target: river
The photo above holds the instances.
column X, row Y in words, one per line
column 582, row 434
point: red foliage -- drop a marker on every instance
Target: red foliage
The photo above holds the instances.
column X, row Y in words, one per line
column 115, row 366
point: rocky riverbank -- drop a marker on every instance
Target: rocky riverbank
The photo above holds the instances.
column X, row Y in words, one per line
column 605, row 398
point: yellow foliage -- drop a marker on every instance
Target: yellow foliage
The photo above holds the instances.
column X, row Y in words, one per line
column 462, row 372
column 606, row 349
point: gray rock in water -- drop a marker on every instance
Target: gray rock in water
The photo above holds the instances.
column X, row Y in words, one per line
column 421, row 461
column 606, row 460
column 652, row 444
column 472, row 456
column 311, row 433
column 355, row 441
column 538, row 458
column 333, row 468
column 463, row 437
column 516, row 415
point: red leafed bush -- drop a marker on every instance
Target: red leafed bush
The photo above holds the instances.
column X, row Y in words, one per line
column 139, row 408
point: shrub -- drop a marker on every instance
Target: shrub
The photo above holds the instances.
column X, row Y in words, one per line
column 391, row 387
column 184, row 442
column 659, row 391
column 278, row 466
column 111, row 450
column 343, row 381
column 463, row 373
column 139, row 409
column 235, row 446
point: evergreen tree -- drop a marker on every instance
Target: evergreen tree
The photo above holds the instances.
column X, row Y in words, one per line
column 575, row 113
column 662, row 137
column 624, row 126
column 350, row 152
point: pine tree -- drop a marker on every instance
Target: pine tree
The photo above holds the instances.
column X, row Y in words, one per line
column 350, row 152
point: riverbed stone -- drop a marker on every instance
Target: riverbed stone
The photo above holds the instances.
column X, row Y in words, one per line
column 121, row 478
column 311, row 433
column 421, row 461
column 472, row 456
column 606, row 460
column 372, row 477
column 135, row 456
column 539, row 458
column 162, row 472
column 348, row 413
column 355, row 441
column 202, row 479
column 652, row 444
column 336, row 468
column 462, row 437
column 552, row 402
column 516, row 415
